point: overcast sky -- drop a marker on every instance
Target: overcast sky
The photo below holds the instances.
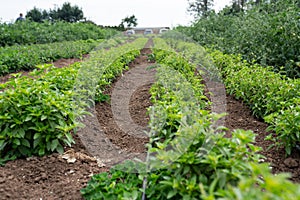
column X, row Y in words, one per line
column 110, row 12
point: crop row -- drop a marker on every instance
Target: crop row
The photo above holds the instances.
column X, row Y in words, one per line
column 188, row 158
column 38, row 112
column 271, row 96
column 29, row 32
column 26, row 57
column 16, row 58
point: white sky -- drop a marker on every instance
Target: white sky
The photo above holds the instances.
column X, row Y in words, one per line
column 110, row 12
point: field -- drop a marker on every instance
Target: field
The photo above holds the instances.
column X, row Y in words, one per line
column 133, row 90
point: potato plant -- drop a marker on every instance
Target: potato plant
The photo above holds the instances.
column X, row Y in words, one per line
column 189, row 159
column 39, row 112
column 16, row 58
column 36, row 115
column 271, row 96
column 29, row 32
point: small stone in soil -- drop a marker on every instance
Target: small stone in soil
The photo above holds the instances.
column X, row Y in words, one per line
column 290, row 163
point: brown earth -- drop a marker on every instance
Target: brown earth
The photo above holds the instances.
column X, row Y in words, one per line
column 52, row 177
column 239, row 117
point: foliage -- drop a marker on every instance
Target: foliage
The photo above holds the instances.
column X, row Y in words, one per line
column 108, row 61
column 129, row 22
column 37, row 15
column 270, row 95
column 238, row 6
column 267, row 34
column 66, row 13
column 16, row 58
column 261, row 184
column 29, row 32
column 39, row 112
column 200, row 8
column 188, row 158
column 119, row 183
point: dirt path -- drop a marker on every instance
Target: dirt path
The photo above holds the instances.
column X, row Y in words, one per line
column 113, row 134
column 116, row 131
column 52, row 177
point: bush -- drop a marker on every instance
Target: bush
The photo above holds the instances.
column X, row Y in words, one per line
column 267, row 34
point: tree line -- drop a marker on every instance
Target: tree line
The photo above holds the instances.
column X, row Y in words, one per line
column 266, row 32
column 202, row 8
column 73, row 14
column 66, row 13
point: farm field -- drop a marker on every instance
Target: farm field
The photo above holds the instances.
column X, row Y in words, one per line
column 207, row 110
column 52, row 177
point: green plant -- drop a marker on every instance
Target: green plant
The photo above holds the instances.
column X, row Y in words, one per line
column 40, row 112
column 188, row 158
column 44, row 33
column 36, row 116
column 16, row 58
column 119, row 183
column 267, row 34
column 286, row 124
column 261, row 184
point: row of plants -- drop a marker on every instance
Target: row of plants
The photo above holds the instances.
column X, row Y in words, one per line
column 267, row 33
column 16, row 58
column 188, row 158
column 26, row 57
column 271, row 96
column 39, row 112
column 99, row 72
column 29, row 32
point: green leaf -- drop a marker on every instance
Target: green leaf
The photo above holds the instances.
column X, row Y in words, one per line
column 2, row 144
column 42, row 151
column 135, row 194
column 28, row 118
column 43, row 117
column 36, row 142
column 21, row 132
column 171, row 194
column 25, row 142
column 16, row 141
column 69, row 137
column 36, row 135
column 54, row 144
column 25, row 151
column 60, row 149
column 213, row 185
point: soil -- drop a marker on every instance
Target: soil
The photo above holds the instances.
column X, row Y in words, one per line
column 239, row 117
column 112, row 140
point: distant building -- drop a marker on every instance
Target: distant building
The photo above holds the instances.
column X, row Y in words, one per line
column 140, row 30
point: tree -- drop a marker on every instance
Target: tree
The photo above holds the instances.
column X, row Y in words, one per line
column 67, row 13
column 36, row 15
column 239, row 5
column 200, row 8
column 129, row 22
